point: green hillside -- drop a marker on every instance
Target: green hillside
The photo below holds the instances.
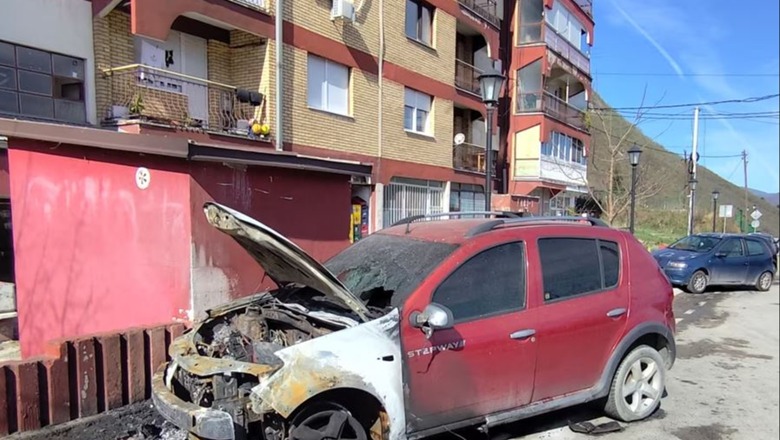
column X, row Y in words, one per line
column 662, row 185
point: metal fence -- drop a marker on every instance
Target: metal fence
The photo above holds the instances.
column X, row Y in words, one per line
column 470, row 157
column 170, row 98
column 402, row 200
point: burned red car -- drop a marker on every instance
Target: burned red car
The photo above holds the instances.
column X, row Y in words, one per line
column 425, row 327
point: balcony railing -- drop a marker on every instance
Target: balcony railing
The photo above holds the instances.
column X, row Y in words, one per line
column 552, row 106
column 467, row 77
column 566, row 49
column 138, row 92
column 486, row 9
column 470, row 157
column 563, row 111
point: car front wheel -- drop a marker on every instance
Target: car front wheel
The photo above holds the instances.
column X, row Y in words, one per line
column 698, row 282
column 637, row 386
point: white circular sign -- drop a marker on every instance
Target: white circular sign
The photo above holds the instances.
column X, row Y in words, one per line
column 755, row 224
column 142, row 177
column 460, row 138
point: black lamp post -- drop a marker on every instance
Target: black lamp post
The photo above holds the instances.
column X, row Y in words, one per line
column 715, row 195
column 633, row 158
column 490, row 83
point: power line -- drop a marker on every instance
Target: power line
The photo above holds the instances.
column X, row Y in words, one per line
column 749, row 75
column 694, row 104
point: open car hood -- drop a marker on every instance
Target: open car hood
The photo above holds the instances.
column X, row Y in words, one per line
column 283, row 261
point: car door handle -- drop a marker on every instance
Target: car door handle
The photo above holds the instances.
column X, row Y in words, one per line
column 523, row 334
column 614, row 313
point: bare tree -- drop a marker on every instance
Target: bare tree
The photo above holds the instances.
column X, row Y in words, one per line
column 609, row 179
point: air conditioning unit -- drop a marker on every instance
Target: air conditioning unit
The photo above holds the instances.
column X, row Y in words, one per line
column 342, row 10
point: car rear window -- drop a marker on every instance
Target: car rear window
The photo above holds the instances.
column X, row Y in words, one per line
column 383, row 270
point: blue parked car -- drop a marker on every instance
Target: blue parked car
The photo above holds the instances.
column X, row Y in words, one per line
column 698, row 261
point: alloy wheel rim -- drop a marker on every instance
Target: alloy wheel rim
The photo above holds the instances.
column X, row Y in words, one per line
column 698, row 283
column 642, row 386
column 766, row 280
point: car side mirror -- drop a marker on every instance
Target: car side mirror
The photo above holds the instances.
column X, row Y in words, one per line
column 433, row 317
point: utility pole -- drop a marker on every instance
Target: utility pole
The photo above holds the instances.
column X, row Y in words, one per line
column 692, row 180
column 743, row 226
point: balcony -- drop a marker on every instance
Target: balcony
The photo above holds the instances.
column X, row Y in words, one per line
column 467, row 77
column 552, row 106
column 470, row 157
column 566, row 50
column 147, row 94
column 485, row 9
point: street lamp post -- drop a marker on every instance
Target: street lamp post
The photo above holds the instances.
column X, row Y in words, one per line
column 633, row 158
column 715, row 195
column 490, row 83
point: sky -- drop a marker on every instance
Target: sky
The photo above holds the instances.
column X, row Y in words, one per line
column 681, row 52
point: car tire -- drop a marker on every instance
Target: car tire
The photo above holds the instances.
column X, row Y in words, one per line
column 764, row 281
column 326, row 420
column 637, row 386
column 698, row 282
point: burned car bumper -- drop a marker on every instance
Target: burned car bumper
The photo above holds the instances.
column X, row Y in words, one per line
column 206, row 423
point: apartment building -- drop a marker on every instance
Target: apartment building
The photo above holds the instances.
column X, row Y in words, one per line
column 548, row 135
column 386, row 83
column 122, row 130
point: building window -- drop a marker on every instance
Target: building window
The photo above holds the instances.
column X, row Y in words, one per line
column 419, row 22
column 328, row 85
column 566, row 25
column 529, row 87
column 465, row 197
column 564, row 148
column 41, row 84
column 531, row 20
column 406, row 197
column 417, row 109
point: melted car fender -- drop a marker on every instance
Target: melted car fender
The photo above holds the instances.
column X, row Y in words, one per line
column 366, row 357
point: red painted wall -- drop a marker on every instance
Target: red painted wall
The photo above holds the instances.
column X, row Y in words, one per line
column 310, row 208
column 95, row 253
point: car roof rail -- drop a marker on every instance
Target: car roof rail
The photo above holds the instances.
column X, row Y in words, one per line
column 413, row 218
column 519, row 221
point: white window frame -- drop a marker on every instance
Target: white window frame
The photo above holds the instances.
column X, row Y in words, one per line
column 323, row 82
column 417, row 102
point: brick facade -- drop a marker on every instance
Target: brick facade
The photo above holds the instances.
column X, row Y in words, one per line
column 247, row 61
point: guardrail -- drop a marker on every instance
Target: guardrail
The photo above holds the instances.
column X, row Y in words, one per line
column 170, row 98
column 552, row 106
column 467, row 77
column 486, row 9
column 566, row 50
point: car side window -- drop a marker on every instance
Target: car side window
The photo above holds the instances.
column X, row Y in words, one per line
column 732, row 248
column 489, row 283
column 610, row 261
column 577, row 266
column 755, row 248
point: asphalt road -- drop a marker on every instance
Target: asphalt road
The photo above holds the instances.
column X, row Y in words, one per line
column 724, row 385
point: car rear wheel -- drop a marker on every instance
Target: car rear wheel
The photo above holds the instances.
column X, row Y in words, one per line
column 764, row 281
column 327, row 421
column 638, row 385
column 698, row 282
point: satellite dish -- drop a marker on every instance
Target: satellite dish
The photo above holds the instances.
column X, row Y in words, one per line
column 460, row 138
